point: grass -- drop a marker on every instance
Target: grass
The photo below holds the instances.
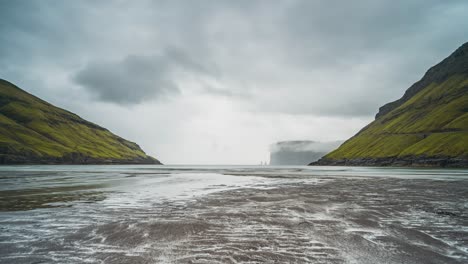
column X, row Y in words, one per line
column 434, row 122
column 29, row 125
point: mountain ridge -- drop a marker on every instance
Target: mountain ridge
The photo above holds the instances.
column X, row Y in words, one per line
column 437, row 73
column 34, row 131
column 427, row 126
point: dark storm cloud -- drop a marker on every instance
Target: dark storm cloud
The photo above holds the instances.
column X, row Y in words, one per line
column 34, row 29
column 322, row 35
column 137, row 78
column 343, row 58
column 130, row 81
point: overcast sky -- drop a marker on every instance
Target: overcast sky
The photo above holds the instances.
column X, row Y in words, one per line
column 217, row 82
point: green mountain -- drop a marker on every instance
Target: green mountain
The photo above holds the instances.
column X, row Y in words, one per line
column 428, row 126
column 33, row 131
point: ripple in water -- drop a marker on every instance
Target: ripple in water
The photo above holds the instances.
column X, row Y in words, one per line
column 146, row 214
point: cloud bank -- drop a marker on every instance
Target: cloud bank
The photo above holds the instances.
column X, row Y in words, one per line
column 305, row 145
column 199, row 74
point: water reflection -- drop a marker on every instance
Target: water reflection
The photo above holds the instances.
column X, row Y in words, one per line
column 148, row 214
column 29, row 199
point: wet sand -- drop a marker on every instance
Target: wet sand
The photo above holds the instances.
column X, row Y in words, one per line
column 281, row 217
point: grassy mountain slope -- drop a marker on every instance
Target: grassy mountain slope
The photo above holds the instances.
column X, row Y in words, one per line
column 34, row 131
column 428, row 126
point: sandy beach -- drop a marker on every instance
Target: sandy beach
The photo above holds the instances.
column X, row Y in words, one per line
column 256, row 216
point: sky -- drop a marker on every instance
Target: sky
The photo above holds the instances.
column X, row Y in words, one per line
column 218, row 82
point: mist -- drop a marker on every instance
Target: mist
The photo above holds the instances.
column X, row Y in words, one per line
column 300, row 152
column 305, row 145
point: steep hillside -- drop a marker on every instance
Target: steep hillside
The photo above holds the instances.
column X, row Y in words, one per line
column 428, row 126
column 33, row 131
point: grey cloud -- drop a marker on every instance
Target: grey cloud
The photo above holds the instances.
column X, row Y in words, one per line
column 137, row 78
column 289, row 69
column 218, row 91
column 35, row 30
column 297, row 57
column 131, row 81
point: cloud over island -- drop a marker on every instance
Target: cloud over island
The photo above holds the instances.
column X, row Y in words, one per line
column 219, row 81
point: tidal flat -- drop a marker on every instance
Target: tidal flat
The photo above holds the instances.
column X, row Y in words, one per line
column 232, row 214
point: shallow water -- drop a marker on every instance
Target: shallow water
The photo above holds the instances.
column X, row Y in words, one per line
column 232, row 214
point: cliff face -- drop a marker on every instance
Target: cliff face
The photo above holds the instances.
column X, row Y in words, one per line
column 299, row 152
column 33, row 131
column 294, row 157
column 428, row 126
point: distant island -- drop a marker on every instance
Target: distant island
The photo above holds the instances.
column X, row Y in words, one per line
column 428, row 126
column 299, row 152
column 33, row 131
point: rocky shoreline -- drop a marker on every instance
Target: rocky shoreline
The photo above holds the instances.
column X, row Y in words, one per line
column 71, row 159
column 409, row 161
